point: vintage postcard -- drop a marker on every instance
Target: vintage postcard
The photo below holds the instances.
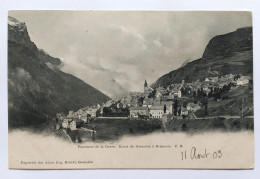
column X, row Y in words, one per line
column 130, row 89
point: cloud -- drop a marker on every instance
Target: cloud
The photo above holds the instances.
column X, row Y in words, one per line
column 116, row 51
column 157, row 43
column 21, row 73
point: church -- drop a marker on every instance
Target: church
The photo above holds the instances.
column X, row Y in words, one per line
column 146, row 90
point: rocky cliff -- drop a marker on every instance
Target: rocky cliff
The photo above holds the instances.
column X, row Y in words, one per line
column 37, row 89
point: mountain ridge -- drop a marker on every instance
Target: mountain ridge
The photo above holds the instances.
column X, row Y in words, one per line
column 224, row 54
column 37, row 89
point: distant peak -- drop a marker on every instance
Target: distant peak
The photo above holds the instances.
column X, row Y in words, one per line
column 16, row 23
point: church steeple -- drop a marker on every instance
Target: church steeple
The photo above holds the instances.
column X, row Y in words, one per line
column 146, row 89
column 145, row 84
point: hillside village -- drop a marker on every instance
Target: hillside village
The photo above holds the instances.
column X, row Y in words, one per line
column 173, row 102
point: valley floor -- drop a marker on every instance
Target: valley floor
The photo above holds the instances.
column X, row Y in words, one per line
column 114, row 129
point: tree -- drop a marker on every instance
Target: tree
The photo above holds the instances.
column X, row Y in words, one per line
column 217, row 95
column 106, row 111
column 225, row 88
column 127, row 111
column 179, row 111
column 183, row 92
column 241, row 106
column 198, row 92
column 216, row 89
column 210, row 94
column 203, row 94
column 175, row 107
column 98, row 113
column 206, row 107
column 140, row 101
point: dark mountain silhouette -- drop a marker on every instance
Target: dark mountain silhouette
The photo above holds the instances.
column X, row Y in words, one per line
column 224, row 54
column 37, row 88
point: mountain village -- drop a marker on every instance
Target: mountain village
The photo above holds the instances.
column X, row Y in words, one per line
column 176, row 101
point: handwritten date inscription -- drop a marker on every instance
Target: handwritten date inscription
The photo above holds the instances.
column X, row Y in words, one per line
column 194, row 154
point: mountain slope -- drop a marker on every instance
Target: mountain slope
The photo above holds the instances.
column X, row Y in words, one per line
column 36, row 86
column 224, row 54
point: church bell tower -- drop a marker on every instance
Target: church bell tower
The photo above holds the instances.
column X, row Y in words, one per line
column 145, row 86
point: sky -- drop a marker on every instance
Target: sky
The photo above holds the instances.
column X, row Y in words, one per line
column 115, row 51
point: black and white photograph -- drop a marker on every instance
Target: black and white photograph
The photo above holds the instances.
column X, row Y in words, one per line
column 172, row 86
